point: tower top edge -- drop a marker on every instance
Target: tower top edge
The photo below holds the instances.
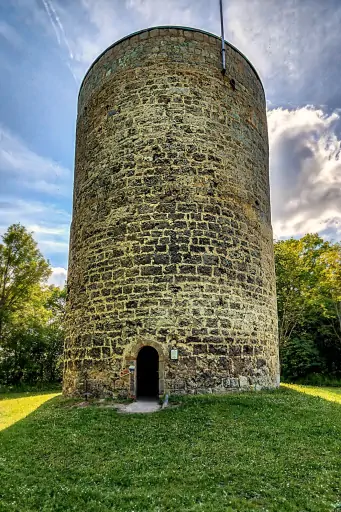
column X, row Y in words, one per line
column 169, row 27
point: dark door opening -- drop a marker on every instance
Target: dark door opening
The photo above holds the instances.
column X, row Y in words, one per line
column 147, row 370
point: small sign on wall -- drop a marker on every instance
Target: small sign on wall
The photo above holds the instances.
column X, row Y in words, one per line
column 174, row 354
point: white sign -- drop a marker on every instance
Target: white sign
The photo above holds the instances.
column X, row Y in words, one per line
column 174, row 353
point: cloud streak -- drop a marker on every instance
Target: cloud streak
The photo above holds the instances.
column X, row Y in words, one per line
column 59, row 31
column 57, row 25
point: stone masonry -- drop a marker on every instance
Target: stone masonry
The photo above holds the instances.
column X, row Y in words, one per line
column 171, row 240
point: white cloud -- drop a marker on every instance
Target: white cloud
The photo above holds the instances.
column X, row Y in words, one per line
column 305, row 171
column 25, row 168
column 58, row 276
column 47, row 230
column 48, row 223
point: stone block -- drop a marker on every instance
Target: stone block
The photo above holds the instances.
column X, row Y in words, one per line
column 243, row 381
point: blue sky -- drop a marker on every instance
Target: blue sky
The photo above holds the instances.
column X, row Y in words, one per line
column 46, row 47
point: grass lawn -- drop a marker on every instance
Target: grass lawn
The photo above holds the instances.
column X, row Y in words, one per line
column 269, row 451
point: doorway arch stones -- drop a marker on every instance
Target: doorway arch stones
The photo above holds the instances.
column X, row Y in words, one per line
column 130, row 358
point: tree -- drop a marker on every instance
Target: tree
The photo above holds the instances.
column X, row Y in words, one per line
column 331, row 285
column 33, row 339
column 31, row 313
column 300, row 356
column 22, row 268
column 308, row 277
column 299, row 269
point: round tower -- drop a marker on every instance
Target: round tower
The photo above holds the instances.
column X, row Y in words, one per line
column 171, row 284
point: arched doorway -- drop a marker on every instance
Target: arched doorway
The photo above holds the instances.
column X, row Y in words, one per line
column 147, row 372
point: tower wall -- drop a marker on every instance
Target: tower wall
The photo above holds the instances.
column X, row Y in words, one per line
column 171, row 239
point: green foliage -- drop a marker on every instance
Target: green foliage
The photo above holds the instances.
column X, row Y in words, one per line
column 22, row 268
column 38, row 387
column 31, row 334
column 32, row 347
column 308, row 276
column 321, row 380
column 270, row 451
column 299, row 357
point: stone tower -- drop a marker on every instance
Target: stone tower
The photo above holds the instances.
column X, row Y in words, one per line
column 171, row 285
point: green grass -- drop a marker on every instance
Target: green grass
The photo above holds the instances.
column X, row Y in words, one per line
column 269, row 451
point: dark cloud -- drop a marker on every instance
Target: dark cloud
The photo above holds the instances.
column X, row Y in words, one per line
column 305, row 171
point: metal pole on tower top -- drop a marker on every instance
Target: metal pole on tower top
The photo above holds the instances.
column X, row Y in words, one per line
column 223, row 51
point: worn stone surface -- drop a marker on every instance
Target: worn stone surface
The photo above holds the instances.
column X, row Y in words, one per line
column 171, row 239
column 141, row 406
